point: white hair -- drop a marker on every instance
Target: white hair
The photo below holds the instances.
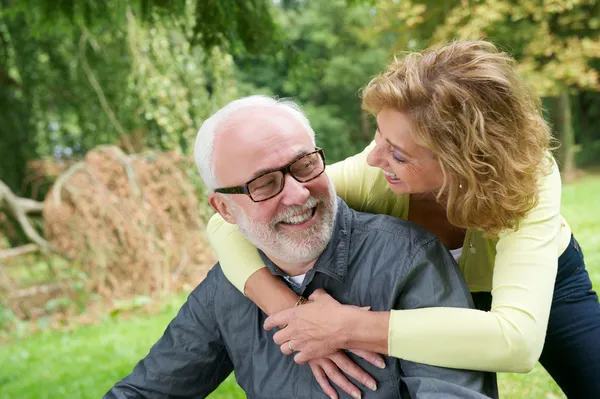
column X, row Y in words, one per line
column 205, row 139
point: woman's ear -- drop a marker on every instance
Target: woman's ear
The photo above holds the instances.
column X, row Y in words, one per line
column 222, row 207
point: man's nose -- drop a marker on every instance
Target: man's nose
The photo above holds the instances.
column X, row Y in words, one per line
column 294, row 192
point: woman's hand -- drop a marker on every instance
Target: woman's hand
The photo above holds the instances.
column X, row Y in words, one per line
column 316, row 329
column 328, row 369
column 313, row 329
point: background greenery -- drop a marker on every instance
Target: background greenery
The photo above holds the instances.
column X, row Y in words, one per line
column 144, row 74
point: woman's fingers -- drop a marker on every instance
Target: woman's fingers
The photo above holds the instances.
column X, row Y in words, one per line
column 335, row 375
column 279, row 319
column 301, row 358
column 282, row 336
column 322, row 380
column 374, row 358
column 318, row 293
column 349, row 367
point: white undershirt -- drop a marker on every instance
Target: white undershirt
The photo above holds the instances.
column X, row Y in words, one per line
column 456, row 253
column 297, row 279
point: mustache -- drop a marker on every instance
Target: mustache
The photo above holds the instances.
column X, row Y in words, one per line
column 295, row 210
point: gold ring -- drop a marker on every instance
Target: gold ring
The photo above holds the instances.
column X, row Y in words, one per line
column 290, row 346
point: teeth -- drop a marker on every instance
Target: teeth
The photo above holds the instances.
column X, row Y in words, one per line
column 299, row 218
column 391, row 175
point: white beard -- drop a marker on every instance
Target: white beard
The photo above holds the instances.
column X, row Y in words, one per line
column 295, row 248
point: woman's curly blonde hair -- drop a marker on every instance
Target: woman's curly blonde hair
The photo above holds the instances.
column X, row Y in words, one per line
column 468, row 106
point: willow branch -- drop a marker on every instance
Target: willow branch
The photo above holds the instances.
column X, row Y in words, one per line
column 100, row 93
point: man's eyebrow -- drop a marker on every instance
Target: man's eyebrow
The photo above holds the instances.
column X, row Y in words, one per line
column 298, row 154
column 397, row 147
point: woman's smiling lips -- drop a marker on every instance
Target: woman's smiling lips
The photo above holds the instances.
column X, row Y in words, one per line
column 391, row 178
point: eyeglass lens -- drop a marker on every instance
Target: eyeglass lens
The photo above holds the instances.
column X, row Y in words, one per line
column 271, row 184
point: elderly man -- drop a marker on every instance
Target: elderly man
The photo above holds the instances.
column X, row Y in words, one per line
column 265, row 150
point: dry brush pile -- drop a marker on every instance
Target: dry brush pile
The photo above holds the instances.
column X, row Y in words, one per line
column 131, row 223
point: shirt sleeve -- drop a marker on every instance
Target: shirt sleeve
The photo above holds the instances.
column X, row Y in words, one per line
column 189, row 361
column 511, row 336
column 361, row 186
column 434, row 279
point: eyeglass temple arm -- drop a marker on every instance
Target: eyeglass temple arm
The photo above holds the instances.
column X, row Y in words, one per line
column 233, row 190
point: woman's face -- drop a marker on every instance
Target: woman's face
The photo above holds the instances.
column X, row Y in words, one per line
column 408, row 167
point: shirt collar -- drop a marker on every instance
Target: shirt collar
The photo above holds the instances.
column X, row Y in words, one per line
column 333, row 261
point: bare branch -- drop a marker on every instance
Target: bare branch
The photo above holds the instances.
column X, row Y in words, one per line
column 18, row 251
column 30, row 206
column 184, row 261
column 60, row 182
column 37, row 289
column 100, row 93
column 13, row 204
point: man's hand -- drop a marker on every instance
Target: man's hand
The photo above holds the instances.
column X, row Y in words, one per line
column 330, row 369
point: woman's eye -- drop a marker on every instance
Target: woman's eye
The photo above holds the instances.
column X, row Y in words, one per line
column 397, row 157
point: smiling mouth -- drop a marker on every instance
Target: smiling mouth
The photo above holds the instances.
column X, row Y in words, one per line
column 390, row 176
column 302, row 218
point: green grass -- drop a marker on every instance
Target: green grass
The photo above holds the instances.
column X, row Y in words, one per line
column 86, row 362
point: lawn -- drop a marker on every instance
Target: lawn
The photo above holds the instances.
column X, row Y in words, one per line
column 86, row 362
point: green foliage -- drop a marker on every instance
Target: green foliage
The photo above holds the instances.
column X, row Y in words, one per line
column 588, row 155
column 326, row 59
column 329, row 131
column 174, row 85
column 243, row 24
column 238, row 25
column 138, row 84
column 554, row 41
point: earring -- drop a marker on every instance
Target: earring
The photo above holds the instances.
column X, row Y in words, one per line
column 460, row 185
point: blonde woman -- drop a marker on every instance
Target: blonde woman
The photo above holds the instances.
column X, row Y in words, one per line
column 461, row 148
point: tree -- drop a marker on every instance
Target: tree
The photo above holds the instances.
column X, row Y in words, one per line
column 233, row 24
column 326, row 58
column 72, row 84
column 81, row 87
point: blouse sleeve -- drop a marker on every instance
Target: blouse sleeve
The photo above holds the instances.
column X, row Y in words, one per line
column 510, row 337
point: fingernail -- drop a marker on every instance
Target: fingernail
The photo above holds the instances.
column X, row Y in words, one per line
column 356, row 395
column 331, row 397
column 381, row 364
column 373, row 386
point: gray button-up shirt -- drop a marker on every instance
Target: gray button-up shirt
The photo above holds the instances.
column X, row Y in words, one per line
column 372, row 260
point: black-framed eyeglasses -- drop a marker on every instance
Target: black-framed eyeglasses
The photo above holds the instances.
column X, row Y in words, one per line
column 268, row 185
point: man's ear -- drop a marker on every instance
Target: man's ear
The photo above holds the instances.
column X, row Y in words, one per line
column 222, row 207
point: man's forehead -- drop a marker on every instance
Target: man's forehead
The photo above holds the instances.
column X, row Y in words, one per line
column 257, row 140
column 256, row 124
